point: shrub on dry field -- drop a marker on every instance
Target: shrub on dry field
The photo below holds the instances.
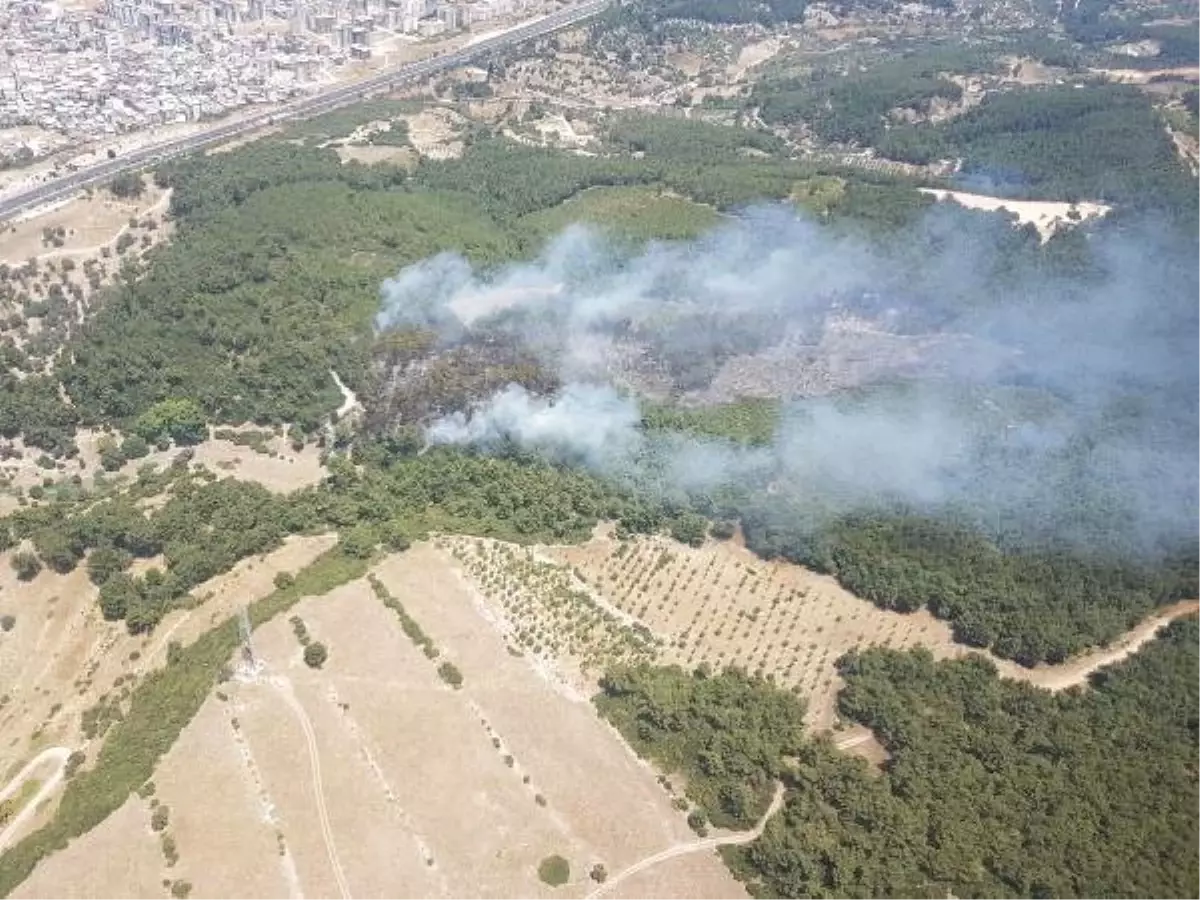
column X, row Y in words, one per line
column 450, row 674
column 555, row 871
column 315, row 655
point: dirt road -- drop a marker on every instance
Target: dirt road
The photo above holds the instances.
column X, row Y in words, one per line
column 314, row 757
column 1076, row 671
column 59, row 755
column 741, row 837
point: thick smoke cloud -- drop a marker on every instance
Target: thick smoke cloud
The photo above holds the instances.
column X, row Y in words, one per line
column 589, row 424
column 1029, row 388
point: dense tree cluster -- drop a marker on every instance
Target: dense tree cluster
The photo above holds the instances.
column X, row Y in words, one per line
column 202, row 530
column 727, row 734
column 997, row 789
column 854, row 108
column 992, row 789
column 1027, row 604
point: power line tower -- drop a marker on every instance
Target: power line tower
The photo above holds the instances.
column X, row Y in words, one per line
column 250, row 665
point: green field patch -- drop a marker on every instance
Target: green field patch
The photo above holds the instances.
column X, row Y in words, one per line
column 635, row 212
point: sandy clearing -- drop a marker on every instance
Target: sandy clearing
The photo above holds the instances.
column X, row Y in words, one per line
column 1047, row 216
column 753, row 55
column 1144, row 76
column 281, row 470
column 62, row 653
column 428, row 745
column 434, row 132
column 89, row 223
column 284, row 686
column 119, row 858
column 53, row 655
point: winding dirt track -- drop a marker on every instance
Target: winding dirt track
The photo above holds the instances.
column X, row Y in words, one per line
column 741, row 837
column 1076, row 671
column 314, row 757
column 59, row 755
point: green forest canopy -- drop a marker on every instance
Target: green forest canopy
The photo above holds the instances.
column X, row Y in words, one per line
column 993, row 788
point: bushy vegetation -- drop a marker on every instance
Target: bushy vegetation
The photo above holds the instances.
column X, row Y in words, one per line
column 412, row 628
column 993, row 788
column 315, row 654
column 744, row 421
column 244, row 316
column 853, row 107
column 644, row 15
column 726, row 733
column 201, row 531
column 1099, row 142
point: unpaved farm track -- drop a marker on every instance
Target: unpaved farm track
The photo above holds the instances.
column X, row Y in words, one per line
column 1076, row 672
column 741, row 837
column 314, row 756
column 59, row 755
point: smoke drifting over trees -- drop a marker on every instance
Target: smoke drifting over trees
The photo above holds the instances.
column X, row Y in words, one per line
column 956, row 367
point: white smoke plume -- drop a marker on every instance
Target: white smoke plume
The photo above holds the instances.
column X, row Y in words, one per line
column 1106, row 365
column 584, row 423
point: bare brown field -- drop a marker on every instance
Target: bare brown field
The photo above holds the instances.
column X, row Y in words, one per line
column 373, row 777
column 61, row 658
column 369, row 154
column 669, row 879
column 89, row 223
column 238, row 854
column 120, row 858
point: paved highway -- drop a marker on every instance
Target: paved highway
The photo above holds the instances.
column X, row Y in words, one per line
column 69, row 184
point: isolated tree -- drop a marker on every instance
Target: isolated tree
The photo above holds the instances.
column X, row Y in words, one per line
column 315, row 655
column 554, row 871
column 178, row 419
column 160, row 818
column 134, row 447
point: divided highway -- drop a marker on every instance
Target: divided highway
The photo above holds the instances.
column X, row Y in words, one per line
column 343, row 95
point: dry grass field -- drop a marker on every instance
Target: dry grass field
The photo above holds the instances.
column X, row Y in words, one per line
column 62, row 658
column 374, row 776
column 87, row 223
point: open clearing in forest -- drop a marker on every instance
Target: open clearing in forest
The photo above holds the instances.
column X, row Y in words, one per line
column 88, row 223
column 426, row 790
column 1047, row 216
